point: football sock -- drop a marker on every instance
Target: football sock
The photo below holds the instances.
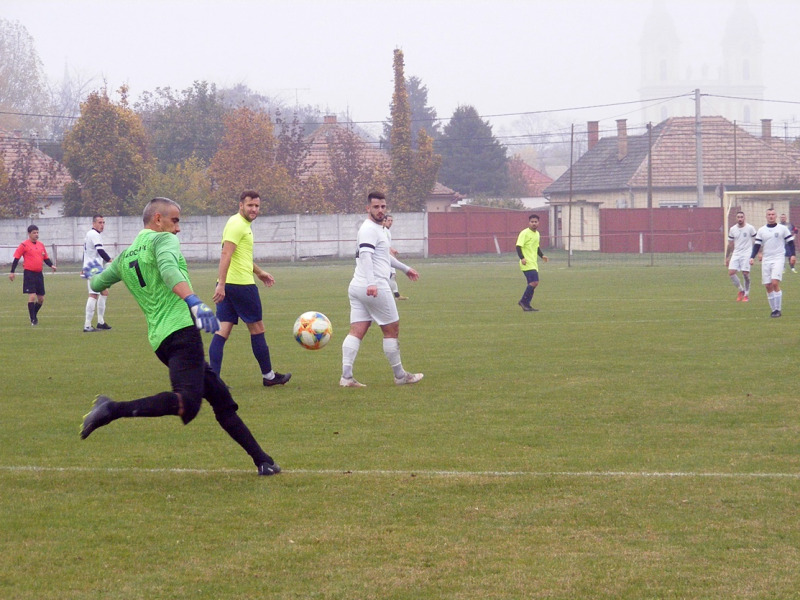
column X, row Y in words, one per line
column 90, row 305
column 165, row 403
column 771, row 298
column 32, row 310
column 778, row 300
column 261, row 351
column 391, row 348
column 37, row 308
column 234, row 426
column 736, row 284
column 350, row 347
column 215, row 351
column 746, row 283
column 528, row 295
column 101, row 309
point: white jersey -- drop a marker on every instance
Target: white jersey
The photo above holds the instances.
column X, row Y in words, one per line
column 372, row 238
column 773, row 241
column 91, row 245
column 742, row 238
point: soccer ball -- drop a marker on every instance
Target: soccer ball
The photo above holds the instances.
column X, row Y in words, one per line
column 312, row 330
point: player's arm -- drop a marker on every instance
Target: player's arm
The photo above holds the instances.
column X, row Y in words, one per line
column 410, row 273
column 106, row 278
column 790, row 248
column 364, row 260
column 728, row 252
column 104, row 255
column 265, row 277
column 228, row 248
column 756, row 249
column 540, row 254
column 50, row 264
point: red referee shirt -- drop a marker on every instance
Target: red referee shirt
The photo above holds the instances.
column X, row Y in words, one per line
column 33, row 254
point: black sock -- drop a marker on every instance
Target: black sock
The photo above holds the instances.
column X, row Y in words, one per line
column 160, row 405
column 236, row 428
column 32, row 310
column 38, row 306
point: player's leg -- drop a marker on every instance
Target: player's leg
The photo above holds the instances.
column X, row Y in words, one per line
column 101, row 311
column 384, row 313
column 258, row 343
column 227, row 317
column 532, row 279
column 221, row 401
column 360, row 321
column 91, row 305
column 746, row 277
column 182, row 352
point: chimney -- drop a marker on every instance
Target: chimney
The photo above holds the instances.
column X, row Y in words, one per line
column 766, row 129
column 329, row 120
column 593, row 128
column 622, row 139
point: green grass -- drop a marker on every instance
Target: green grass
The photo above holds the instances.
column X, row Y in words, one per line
column 637, row 438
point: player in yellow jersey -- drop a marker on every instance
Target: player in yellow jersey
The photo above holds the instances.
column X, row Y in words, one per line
column 236, row 294
column 155, row 272
column 529, row 251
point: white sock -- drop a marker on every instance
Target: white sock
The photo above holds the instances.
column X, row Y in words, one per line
column 350, row 347
column 746, row 284
column 778, row 299
column 101, row 309
column 771, row 298
column 735, row 281
column 391, row 348
column 90, row 304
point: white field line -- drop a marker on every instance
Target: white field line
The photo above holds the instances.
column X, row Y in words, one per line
column 425, row 473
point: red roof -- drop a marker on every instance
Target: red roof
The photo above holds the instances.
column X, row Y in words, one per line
column 12, row 146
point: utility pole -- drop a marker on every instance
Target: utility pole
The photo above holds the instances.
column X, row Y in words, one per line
column 698, row 136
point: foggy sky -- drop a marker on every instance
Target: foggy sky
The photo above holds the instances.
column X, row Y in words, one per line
column 504, row 57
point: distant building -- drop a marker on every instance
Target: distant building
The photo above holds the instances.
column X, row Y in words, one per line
column 47, row 177
column 613, row 173
column 736, row 84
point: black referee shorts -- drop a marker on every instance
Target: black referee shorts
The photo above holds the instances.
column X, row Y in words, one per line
column 33, row 282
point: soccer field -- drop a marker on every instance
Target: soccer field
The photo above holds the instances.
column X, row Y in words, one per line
column 638, row 437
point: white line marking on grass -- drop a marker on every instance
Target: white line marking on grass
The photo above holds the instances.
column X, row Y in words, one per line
column 429, row 473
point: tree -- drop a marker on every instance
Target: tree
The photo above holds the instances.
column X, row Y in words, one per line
column 107, row 155
column 23, row 90
column 247, row 159
column 27, row 178
column 351, row 174
column 183, row 124
column 188, row 183
column 413, row 171
column 422, row 115
column 473, row 160
column 293, row 146
column 401, row 152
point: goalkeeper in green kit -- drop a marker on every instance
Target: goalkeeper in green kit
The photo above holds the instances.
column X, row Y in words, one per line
column 155, row 272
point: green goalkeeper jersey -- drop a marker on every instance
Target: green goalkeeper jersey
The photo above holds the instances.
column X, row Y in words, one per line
column 150, row 268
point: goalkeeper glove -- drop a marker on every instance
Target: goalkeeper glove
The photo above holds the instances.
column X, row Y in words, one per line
column 92, row 269
column 204, row 317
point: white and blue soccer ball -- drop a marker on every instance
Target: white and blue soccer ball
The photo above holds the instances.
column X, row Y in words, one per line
column 312, row 330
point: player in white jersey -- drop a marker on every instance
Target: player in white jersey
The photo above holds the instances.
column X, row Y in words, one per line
column 371, row 296
column 775, row 242
column 737, row 256
column 387, row 223
column 93, row 251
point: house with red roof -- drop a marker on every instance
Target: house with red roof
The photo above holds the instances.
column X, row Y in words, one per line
column 45, row 175
column 615, row 171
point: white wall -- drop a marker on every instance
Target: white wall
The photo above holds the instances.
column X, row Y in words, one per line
column 284, row 237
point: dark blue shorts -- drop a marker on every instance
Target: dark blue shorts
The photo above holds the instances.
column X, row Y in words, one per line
column 531, row 275
column 33, row 282
column 241, row 301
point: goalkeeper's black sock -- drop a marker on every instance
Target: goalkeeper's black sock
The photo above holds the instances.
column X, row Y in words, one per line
column 32, row 310
column 160, row 405
column 236, row 428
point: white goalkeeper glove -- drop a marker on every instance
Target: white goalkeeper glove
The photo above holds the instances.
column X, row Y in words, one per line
column 204, row 317
column 92, row 269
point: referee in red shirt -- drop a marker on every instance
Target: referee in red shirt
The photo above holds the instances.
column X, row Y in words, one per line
column 33, row 255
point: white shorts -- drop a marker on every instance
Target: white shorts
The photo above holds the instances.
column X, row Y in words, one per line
column 739, row 262
column 772, row 269
column 381, row 309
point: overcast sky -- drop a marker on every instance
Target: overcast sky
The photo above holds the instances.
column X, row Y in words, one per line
column 500, row 56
